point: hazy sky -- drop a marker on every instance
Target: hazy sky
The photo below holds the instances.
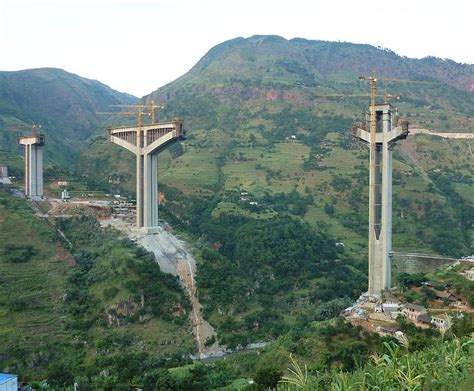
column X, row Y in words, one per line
column 137, row 46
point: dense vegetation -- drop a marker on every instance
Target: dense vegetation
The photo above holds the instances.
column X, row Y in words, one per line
column 323, row 356
column 257, row 278
column 445, row 366
column 105, row 306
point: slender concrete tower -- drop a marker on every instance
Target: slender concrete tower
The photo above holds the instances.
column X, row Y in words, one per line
column 384, row 130
column 146, row 142
column 33, row 164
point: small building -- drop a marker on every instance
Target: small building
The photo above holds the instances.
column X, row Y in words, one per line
column 65, row 195
column 348, row 311
column 8, row 382
column 413, row 311
column 59, row 184
column 389, row 309
column 399, row 335
column 438, row 285
column 390, row 299
column 456, row 300
column 424, row 319
column 4, row 176
column 386, row 330
column 439, row 323
column 442, row 295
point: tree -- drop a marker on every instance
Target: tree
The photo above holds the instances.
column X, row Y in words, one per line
column 268, row 377
column 329, row 209
column 59, row 375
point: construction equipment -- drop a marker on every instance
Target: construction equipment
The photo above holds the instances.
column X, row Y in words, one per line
column 33, row 128
column 142, row 109
column 139, row 113
column 382, row 130
column 386, row 96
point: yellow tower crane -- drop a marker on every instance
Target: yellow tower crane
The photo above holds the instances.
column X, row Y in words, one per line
column 33, row 128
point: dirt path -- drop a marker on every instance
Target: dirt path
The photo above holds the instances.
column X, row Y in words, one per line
column 174, row 258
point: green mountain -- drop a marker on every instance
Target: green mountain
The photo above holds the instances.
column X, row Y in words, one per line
column 242, row 72
column 63, row 103
column 268, row 181
column 270, row 162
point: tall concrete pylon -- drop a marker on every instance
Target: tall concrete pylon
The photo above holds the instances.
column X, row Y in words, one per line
column 33, row 164
column 146, row 142
column 383, row 119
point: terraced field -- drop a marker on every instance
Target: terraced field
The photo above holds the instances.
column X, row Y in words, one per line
column 31, row 304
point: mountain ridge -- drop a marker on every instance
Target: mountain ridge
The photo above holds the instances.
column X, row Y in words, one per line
column 458, row 75
column 64, row 103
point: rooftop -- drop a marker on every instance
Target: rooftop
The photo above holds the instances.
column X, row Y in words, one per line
column 415, row 307
column 425, row 318
column 4, row 377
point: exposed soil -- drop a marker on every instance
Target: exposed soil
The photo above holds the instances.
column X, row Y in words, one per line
column 174, row 258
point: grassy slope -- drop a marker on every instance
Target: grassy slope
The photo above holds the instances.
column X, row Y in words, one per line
column 34, row 317
column 237, row 92
column 36, row 286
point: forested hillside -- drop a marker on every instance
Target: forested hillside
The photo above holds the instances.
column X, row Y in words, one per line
column 63, row 103
column 67, row 312
column 267, row 153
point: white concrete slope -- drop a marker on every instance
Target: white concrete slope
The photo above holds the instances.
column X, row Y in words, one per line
column 174, row 258
column 454, row 135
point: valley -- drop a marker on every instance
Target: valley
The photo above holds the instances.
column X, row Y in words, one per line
column 263, row 222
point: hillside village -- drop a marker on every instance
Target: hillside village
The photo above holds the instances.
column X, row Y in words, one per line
column 444, row 303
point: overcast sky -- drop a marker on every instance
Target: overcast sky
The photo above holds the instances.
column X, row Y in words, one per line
column 138, row 46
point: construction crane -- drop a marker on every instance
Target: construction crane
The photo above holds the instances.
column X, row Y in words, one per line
column 141, row 110
column 386, row 96
column 373, row 96
column 373, row 89
column 33, row 128
column 139, row 113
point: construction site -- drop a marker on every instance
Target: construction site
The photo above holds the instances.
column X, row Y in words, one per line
column 138, row 219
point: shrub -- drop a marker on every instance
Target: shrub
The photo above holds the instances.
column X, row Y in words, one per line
column 19, row 253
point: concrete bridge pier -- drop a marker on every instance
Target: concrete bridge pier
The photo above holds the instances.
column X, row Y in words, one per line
column 146, row 142
column 33, row 164
column 387, row 132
